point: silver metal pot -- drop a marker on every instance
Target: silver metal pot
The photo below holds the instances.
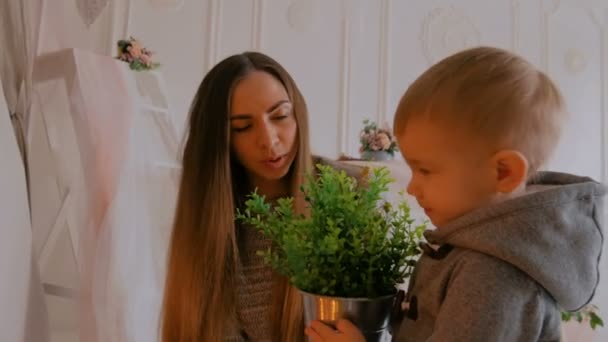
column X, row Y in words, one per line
column 371, row 315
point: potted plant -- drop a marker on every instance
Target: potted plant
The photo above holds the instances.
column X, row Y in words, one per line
column 348, row 254
column 377, row 144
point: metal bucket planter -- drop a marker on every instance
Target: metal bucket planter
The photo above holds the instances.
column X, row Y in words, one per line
column 376, row 155
column 371, row 315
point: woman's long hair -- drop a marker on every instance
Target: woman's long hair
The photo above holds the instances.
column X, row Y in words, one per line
column 200, row 289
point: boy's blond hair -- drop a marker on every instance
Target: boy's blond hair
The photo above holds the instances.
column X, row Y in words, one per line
column 493, row 94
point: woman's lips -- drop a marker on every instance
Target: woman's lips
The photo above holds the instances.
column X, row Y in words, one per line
column 275, row 162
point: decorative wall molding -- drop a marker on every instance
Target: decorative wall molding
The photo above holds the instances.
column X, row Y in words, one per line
column 128, row 16
column 300, row 14
column 604, row 117
column 257, row 24
column 515, row 24
column 384, row 54
column 548, row 8
column 167, row 4
column 90, row 10
column 575, row 61
column 599, row 15
column 214, row 14
column 120, row 22
column 446, row 30
column 113, row 26
column 344, row 105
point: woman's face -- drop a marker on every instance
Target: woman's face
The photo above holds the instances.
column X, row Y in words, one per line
column 263, row 127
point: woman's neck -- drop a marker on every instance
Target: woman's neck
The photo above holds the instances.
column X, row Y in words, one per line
column 271, row 189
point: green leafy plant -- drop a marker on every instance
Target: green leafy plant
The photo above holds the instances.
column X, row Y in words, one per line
column 589, row 313
column 352, row 244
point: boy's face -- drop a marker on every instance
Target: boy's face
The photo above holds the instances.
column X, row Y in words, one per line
column 451, row 172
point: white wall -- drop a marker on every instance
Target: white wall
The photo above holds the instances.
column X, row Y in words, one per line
column 353, row 59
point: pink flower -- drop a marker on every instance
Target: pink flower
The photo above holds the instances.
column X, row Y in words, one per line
column 135, row 52
column 375, row 144
column 375, row 138
column 384, row 141
column 135, row 49
column 145, row 59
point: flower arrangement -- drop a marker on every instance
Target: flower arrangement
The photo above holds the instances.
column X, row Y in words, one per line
column 133, row 52
column 374, row 139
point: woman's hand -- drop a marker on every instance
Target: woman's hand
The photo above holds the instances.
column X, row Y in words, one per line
column 345, row 332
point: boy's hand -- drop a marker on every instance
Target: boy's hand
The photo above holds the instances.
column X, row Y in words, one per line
column 345, row 332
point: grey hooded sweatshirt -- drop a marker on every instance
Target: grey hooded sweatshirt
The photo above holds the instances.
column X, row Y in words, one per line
column 504, row 272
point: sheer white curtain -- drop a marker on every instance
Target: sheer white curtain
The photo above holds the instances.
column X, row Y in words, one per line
column 101, row 150
column 102, row 155
column 23, row 313
column 112, row 188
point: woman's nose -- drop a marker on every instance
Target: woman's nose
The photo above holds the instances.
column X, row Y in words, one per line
column 268, row 136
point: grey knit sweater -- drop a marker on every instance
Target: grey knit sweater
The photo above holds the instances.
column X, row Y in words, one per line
column 254, row 290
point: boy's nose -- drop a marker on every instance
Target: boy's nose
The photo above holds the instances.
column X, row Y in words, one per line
column 411, row 189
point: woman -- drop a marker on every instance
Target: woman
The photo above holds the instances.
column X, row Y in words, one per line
column 248, row 129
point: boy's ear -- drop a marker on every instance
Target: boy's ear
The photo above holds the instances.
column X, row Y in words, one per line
column 511, row 169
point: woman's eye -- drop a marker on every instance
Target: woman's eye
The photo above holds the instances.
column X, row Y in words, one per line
column 241, row 129
column 281, row 113
column 279, row 117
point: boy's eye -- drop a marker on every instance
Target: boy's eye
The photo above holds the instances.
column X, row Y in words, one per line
column 424, row 171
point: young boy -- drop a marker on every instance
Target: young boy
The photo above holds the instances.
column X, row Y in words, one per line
column 513, row 246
